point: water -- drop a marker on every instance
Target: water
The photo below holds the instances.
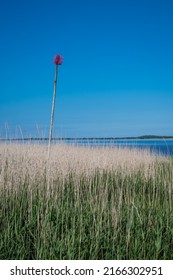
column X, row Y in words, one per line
column 156, row 146
column 161, row 147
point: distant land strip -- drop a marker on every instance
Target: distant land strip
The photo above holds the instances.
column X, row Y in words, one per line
column 145, row 137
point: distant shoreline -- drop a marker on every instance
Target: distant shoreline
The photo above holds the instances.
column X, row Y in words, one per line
column 145, row 137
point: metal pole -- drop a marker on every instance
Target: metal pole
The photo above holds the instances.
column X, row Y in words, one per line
column 53, row 109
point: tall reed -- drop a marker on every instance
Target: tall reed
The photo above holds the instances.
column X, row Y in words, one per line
column 103, row 203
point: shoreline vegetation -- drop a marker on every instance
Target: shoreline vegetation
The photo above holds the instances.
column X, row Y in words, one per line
column 84, row 203
column 144, row 137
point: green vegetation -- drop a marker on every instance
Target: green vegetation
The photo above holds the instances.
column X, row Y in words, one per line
column 110, row 214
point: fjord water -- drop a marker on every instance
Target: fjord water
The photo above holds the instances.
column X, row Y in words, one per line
column 163, row 147
column 157, row 146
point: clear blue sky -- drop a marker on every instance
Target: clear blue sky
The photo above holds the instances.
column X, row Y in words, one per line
column 117, row 75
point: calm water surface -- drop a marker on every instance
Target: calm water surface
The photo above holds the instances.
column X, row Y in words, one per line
column 162, row 147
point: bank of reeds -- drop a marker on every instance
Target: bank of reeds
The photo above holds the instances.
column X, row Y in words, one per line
column 84, row 203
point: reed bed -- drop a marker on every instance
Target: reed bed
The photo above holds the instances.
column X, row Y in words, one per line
column 84, row 203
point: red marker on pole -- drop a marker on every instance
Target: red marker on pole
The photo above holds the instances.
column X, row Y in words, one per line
column 58, row 59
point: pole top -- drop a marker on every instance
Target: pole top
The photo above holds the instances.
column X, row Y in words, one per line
column 58, row 59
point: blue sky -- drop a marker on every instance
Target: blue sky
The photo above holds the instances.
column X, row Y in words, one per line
column 117, row 74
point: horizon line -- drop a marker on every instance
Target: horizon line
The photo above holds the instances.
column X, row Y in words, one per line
column 87, row 138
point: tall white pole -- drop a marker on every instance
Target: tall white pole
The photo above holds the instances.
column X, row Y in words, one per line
column 53, row 109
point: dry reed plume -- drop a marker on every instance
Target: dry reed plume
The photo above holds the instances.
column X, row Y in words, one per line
column 23, row 161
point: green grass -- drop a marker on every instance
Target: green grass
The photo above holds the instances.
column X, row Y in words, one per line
column 110, row 215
